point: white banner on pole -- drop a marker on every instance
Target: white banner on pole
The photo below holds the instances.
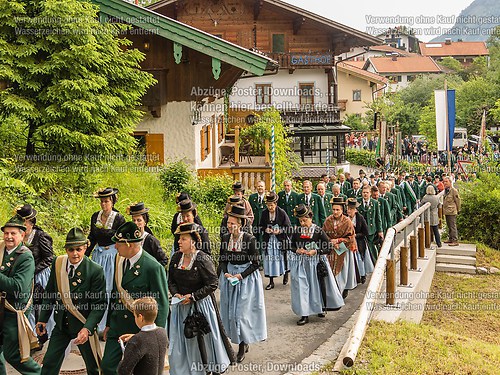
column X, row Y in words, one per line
column 441, row 119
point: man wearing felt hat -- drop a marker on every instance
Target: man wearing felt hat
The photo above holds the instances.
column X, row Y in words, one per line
column 76, row 292
column 17, row 268
column 137, row 275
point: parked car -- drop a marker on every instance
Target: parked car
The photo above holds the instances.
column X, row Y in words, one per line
column 474, row 140
column 460, row 138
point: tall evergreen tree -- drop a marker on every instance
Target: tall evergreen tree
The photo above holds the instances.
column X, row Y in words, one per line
column 70, row 85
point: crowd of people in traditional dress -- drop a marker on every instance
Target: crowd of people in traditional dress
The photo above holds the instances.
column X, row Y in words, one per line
column 417, row 151
column 323, row 241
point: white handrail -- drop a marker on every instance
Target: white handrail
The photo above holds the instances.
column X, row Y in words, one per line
column 386, row 252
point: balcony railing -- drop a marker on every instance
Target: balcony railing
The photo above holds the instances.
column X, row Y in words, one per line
column 328, row 115
column 303, row 60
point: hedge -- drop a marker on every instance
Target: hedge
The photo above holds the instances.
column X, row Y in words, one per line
column 479, row 219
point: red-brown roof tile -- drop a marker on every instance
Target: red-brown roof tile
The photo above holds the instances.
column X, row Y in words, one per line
column 454, row 49
column 413, row 64
column 372, row 77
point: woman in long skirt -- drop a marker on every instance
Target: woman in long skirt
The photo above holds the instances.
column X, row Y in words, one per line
column 363, row 258
column 313, row 286
column 340, row 230
column 241, row 296
column 193, row 281
column 103, row 226
column 40, row 244
column 275, row 227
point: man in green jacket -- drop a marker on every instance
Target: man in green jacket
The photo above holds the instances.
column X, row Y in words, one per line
column 76, row 292
column 325, row 198
column 370, row 210
column 396, row 215
column 345, row 185
column 385, row 210
column 287, row 200
column 17, row 269
column 312, row 200
column 258, row 203
column 137, row 275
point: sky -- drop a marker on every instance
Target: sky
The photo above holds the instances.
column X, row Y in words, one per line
column 427, row 17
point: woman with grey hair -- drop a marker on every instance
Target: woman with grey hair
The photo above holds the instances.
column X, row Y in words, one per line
column 431, row 197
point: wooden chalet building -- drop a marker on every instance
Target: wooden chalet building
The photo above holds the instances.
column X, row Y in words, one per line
column 185, row 111
column 305, row 44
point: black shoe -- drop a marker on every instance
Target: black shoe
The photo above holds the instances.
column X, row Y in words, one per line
column 303, row 320
column 270, row 286
column 285, row 278
column 345, row 293
column 363, row 279
column 241, row 352
column 321, row 315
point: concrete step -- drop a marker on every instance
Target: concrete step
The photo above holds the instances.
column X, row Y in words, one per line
column 462, row 249
column 456, row 268
column 455, row 259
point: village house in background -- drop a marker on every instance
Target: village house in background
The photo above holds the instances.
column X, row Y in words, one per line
column 464, row 52
column 185, row 109
column 400, row 71
column 305, row 89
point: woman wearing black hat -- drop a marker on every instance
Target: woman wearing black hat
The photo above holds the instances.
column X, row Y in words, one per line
column 363, row 258
column 150, row 243
column 177, row 219
column 241, row 296
column 275, row 227
column 313, row 285
column 103, row 226
column 40, row 244
column 187, row 210
column 192, row 280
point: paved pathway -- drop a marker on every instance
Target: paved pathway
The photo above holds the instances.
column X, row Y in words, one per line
column 287, row 344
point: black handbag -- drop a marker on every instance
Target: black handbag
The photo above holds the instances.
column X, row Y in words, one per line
column 321, row 269
column 196, row 324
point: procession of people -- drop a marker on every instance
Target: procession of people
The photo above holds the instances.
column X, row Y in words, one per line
column 323, row 242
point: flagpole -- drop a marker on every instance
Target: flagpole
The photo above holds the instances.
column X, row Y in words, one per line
column 447, row 126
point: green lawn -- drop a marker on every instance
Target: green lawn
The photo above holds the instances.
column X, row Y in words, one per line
column 459, row 332
column 66, row 207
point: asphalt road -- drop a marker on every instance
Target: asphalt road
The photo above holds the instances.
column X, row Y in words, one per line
column 287, row 343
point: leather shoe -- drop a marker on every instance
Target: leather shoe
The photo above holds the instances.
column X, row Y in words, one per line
column 303, row 320
column 241, row 352
column 270, row 286
column 321, row 315
column 285, row 278
column 363, row 279
column 345, row 293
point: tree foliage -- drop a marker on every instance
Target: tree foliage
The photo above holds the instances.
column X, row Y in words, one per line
column 286, row 160
column 472, row 97
column 71, row 81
